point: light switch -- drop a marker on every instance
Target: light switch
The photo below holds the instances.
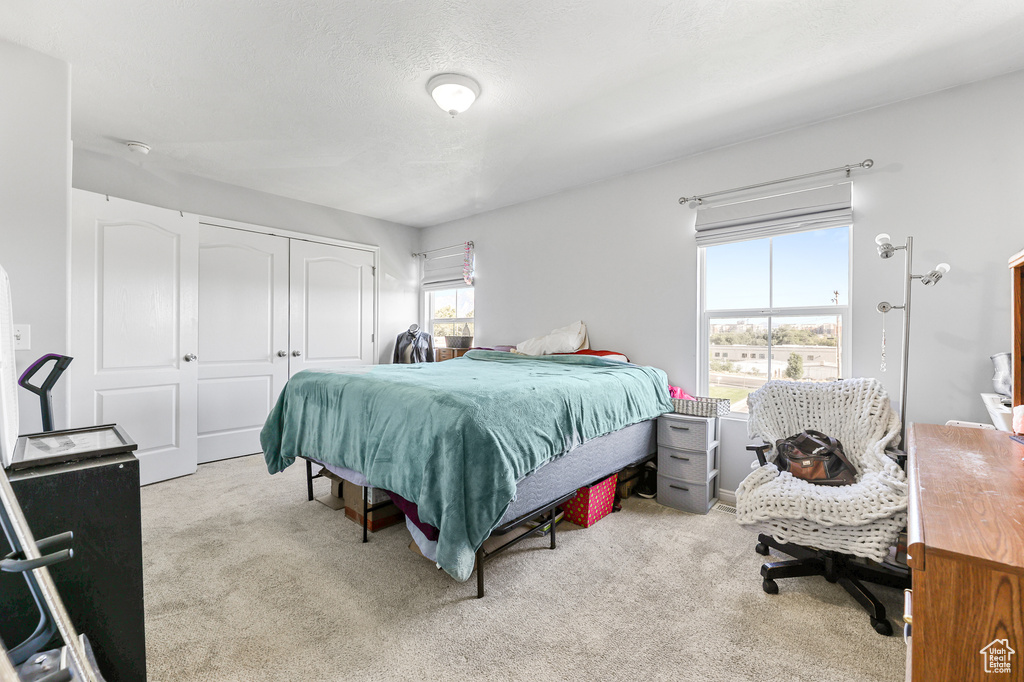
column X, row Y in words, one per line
column 22, row 337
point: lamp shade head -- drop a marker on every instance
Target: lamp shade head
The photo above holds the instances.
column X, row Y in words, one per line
column 454, row 93
column 883, row 238
column 935, row 275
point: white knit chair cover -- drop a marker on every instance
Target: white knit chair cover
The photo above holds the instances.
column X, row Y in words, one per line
column 864, row 518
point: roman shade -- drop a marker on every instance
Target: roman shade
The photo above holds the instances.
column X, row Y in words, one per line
column 451, row 266
column 780, row 213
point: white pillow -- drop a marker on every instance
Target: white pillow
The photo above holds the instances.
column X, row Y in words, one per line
column 567, row 339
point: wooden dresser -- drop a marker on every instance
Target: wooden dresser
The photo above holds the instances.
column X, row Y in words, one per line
column 441, row 354
column 965, row 546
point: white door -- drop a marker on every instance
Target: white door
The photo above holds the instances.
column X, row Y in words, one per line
column 331, row 306
column 243, row 337
column 133, row 309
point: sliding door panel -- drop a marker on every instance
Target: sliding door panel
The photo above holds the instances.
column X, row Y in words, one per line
column 331, row 306
column 243, row 337
column 133, row 327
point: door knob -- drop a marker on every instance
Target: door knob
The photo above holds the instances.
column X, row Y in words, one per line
column 191, row 357
column 296, row 353
column 282, row 354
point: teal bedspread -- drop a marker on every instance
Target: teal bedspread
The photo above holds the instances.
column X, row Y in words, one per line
column 454, row 437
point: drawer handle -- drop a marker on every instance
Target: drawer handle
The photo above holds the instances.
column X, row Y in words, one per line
column 908, row 606
column 679, row 428
column 685, row 459
column 679, row 488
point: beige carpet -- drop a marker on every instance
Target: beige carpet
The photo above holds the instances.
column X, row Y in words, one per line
column 246, row 580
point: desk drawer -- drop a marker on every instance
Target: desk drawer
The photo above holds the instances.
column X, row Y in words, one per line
column 686, row 434
column 686, row 465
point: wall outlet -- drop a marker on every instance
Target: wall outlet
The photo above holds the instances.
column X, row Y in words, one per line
column 22, row 337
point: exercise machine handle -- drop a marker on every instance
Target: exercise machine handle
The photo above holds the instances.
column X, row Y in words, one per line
column 61, row 363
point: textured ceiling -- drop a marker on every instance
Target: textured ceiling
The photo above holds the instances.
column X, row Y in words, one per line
column 325, row 100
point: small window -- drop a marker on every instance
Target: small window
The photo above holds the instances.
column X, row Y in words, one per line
column 743, row 355
column 450, row 313
column 718, row 355
column 760, row 356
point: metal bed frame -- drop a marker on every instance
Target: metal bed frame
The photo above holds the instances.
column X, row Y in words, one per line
column 482, row 555
column 367, row 507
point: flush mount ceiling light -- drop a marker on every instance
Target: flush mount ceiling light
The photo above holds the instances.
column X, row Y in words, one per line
column 138, row 147
column 452, row 92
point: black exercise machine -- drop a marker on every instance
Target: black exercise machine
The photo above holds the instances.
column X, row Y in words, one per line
column 32, row 559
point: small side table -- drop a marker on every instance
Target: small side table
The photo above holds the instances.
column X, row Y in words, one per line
column 688, row 462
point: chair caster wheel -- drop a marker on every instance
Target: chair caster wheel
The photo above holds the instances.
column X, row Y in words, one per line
column 882, row 627
column 770, row 586
column 761, row 549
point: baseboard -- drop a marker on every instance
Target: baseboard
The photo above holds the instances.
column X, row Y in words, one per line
column 727, row 497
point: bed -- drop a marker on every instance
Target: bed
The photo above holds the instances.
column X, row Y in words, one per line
column 476, row 443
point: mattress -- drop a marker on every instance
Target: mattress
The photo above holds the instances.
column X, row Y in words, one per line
column 594, row 460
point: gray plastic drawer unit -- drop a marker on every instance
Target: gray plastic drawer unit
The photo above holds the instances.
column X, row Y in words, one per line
column 687, row 462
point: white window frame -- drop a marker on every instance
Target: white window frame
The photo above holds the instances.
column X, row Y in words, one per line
column 704, row 316
column 425, row 314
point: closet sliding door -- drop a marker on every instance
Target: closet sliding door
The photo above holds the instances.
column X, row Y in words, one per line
column 243, row 337
column 332, row 311
column 132, row 310
column 186, row 333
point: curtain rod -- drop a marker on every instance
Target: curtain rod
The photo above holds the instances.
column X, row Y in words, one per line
column 424, row 253
column 699, row 198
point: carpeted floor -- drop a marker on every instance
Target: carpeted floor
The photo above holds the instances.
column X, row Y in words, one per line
column 246, row 580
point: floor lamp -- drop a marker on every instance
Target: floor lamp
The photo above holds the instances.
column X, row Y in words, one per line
column 886, row 250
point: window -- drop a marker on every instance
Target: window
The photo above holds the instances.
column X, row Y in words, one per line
column 450, row 313
column 782, row 300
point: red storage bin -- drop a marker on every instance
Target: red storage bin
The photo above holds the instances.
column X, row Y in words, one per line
column 591, row 504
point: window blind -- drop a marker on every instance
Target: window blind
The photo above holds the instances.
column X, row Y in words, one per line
column 446, row 268
column 796, row 211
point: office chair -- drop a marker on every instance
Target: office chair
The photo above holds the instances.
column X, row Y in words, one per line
column 826, row 528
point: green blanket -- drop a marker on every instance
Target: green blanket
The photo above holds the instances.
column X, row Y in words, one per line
column 454, row 437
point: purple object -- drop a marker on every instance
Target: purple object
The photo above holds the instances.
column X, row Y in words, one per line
column 34, row 367
column 409, row 509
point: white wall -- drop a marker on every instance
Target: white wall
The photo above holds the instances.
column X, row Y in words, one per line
column 130, row 178
column 35, row 182
column 620, row 254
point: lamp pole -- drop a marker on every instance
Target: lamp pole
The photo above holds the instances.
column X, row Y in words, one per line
column 887, row 250
column 908, row 278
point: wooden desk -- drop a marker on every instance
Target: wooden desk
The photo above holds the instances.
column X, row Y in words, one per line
column 965, row 546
